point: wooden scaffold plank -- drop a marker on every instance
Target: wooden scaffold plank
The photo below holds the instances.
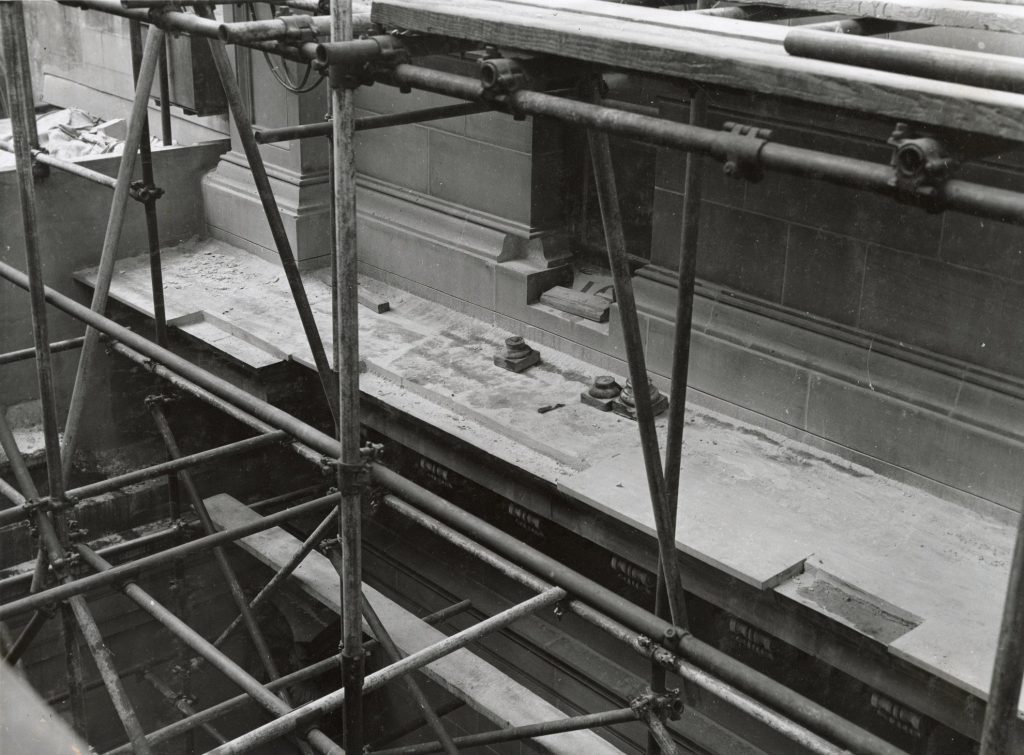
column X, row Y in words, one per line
column 713, row 59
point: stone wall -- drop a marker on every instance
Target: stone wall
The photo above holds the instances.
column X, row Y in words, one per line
column 72, row 214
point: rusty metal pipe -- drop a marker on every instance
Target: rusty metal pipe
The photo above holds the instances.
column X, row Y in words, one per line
column 368, row 122
column 266, row 699
column 137, row 126
column 273, row 214
column 393, row 654
column 528, row 731
column 954, row 194
column 312, row 541
column 956, row 66
column 21, row 354
column 1008, row 666
column 615, row 240
column 226, row 706
column 44, row 158
column 320, row 707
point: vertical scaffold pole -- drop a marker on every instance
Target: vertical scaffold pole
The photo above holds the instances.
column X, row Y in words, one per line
column 1004, row 694
column 152, row 226
column 17, row 73
column 685, row 283
column 346, row 359
column 112, row 239
column 243, row 126
column 611, row 219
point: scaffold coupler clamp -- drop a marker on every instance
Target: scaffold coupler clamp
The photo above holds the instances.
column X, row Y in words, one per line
column 39, row 170
column 743, row 154
column 298, row 27
column 375, row 499
column 158, row 399
column 355, row 478
column 921, row 165
column 31, row 507
column 666, row 706
column 501, row 76
column 352, row 64
column 142, row 192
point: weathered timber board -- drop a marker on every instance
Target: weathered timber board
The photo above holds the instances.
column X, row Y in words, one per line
column 576, row 303
column 965, row 14
column 729, row 62
column 725, row 27
column 490, row 692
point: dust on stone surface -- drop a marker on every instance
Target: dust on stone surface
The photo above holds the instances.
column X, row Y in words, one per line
column 867, row 617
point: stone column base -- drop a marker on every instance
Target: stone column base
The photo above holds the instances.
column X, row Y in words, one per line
column 235, row 214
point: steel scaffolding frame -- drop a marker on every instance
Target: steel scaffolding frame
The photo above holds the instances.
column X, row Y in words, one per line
column 661, row 636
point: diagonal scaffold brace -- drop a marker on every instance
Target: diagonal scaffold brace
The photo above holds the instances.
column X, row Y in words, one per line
column 243, row 125
column 611, row 219
column 137, row 126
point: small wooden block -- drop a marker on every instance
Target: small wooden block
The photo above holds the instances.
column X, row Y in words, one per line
column 575, row 302
column 373, row 302
column 517, row 365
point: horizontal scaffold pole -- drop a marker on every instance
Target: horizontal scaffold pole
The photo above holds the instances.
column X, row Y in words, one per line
column 265, row 416
column 311, row 711
column 952, row 194
column 252, row 687
column 309, row 672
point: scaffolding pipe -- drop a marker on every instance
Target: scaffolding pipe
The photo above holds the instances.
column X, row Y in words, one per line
column 199, row 507
column 44, row 158
column 52, row 545
column 520, row 561
column 38, row 619
column 227, row 706
column 618, row 262
column 954, row 194
column 266, row 699
column 101, row 654
column 300, row 449
column 312, row 711
column 243, row 127
column 131, row 569
column 137, row 126
column 955, row 66
column 179, row 702
column 864, row 27
column 685, row 282
column 369, row 122
column 640, row 643
column 312, row 541
column 287, row 28
column 181, row 463
column 411, row 725
column 1008, row 666
column 264, row 415
column 393, row 655
column 23, row 127
column 18, row 80
column 145, row 541
column 24, row 479
column 528, row 731
column 166, row 138
column 150, row 195
column 21, row 354
column 351, row 467
column 110, row 551
column 178, row 464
